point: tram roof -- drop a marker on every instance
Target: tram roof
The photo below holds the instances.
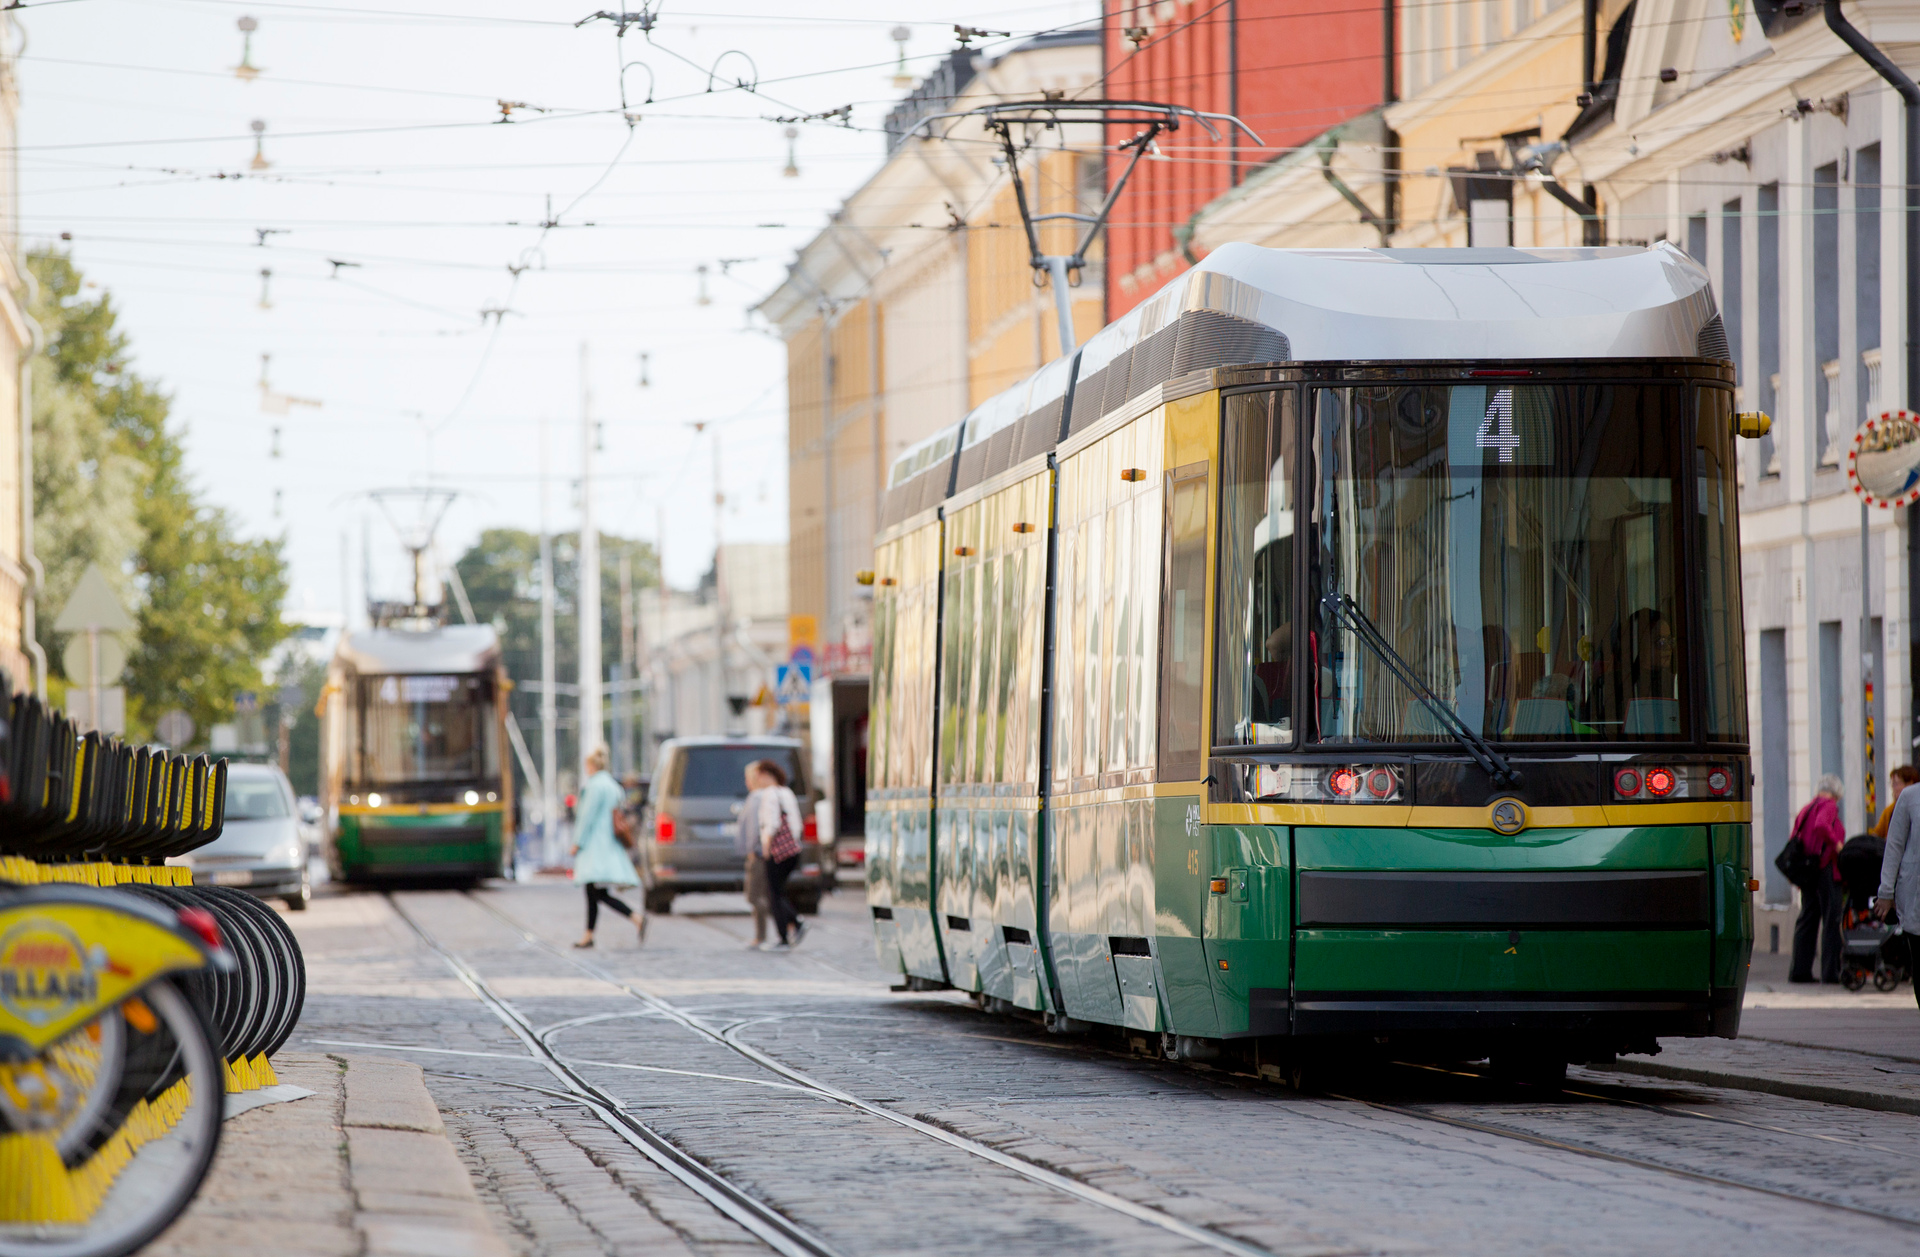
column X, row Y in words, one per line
column 1415, row 304
column 443, row 648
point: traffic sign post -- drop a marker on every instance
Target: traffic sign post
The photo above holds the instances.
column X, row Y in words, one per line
column 94, row 656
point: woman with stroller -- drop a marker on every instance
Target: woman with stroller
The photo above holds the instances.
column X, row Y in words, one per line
column 1819, row 829
column 772, row 815
column 1899, row 893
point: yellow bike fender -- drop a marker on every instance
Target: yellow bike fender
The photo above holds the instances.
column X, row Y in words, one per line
column 67, row 953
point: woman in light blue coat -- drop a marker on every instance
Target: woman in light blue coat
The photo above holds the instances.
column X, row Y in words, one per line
column 1900, row 877
column 599, row 861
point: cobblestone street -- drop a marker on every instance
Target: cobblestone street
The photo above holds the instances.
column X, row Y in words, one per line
column 752, row 1063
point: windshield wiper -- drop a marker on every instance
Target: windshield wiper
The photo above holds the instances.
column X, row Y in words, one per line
column 1345, row 612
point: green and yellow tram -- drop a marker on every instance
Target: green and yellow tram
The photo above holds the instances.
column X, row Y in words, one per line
column 1342, row 648
column 415, row 779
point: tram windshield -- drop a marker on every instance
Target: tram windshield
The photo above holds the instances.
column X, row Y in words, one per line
column 424, row 728
column 1518, row 545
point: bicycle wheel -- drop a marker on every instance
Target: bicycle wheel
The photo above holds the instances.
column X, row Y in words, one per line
column 106, row 1134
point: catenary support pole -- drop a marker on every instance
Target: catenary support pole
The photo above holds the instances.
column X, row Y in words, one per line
column 587, row 600
column 1902, row 83
column 549, row 714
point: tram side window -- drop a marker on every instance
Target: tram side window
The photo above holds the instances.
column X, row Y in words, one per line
column 1254, row 650
column 1183, row 622
column 1722, row 635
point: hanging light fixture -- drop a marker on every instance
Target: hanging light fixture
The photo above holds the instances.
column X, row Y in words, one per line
column 703, row 299
column 644, row 381
column 901, row 34
column 246, row 71
column 266, row 303
column 259, row 161
column 793, row 167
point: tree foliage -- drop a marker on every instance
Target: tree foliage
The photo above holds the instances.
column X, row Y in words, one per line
column 501, row 573
column 110, row 487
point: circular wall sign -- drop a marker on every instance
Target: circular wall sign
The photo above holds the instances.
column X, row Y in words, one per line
column 1883, row 461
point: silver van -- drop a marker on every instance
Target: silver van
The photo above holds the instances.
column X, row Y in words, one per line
column 692, row 813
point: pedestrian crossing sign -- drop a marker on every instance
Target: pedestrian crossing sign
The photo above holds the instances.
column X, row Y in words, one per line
column 793, row 683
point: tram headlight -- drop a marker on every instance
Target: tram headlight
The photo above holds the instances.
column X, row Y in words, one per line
column 472, row 797
column 373, row 800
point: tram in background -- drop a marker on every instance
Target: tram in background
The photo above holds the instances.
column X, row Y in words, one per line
column 414, row 775
column 1342, row 650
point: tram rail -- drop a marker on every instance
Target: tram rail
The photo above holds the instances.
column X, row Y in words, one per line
column 734, row 1202
column 729, row 1038
column 769, row 1225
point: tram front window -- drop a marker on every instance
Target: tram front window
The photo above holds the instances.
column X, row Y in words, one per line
column 1517, row 545
column 425, row 729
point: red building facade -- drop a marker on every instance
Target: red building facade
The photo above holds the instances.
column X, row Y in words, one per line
column 1290, row 69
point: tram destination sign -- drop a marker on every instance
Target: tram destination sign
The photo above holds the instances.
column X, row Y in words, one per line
column 1883, row 461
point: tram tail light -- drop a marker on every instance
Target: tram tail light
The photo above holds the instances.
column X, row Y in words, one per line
column 1719, row 782
column 1343, row 783
column 1382, row 783
column 1661, row 782
column 810, row 829
column 663, row 828
column 1626, row 783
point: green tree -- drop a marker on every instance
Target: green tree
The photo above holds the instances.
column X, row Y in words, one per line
column 501, row 573
column 110, row 486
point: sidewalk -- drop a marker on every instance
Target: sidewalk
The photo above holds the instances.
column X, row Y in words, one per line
column 361, row 1167
column 1825, row 1043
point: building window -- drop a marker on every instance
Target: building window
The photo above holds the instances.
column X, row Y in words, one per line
column 1826, row 308
column 1866, row 274
column 1768, row 313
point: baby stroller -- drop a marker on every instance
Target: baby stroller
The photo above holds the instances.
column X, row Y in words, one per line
column 1872, row 950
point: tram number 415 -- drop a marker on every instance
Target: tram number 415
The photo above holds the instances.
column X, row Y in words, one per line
column 1193, row 831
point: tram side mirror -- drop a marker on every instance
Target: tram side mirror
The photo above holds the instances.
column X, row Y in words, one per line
column 1884, row 461
column 1752, row 424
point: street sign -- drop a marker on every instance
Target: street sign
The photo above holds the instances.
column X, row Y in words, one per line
column 802, row 630
column 175, row 727
column 246, row 702
column 290, row 696
column 792, row 684
column 113, row 709
column 93, row 605
column 802, row 657
column 77, row 658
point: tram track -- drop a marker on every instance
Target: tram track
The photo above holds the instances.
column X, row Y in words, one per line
column 729, row 1037
column 1503, row 1131
column 762, row 1220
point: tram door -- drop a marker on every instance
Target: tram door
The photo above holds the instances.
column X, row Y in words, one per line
column 1246, row 928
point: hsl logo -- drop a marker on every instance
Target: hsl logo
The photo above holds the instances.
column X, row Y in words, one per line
column 45, row 972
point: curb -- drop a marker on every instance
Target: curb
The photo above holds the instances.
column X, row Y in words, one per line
column 1848, row 1096
column 412, row 1194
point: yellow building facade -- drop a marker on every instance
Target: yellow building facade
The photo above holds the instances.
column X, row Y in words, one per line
column 915, row 304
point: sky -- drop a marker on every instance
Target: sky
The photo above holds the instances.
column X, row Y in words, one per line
column 439, row 273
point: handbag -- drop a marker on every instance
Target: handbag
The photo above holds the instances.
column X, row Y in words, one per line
column 781, row 844
column 1795, row 862
column 623, row 831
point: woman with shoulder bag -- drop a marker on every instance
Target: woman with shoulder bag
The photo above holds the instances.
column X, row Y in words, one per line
column 1819, row 832
column 778, row 817
column 746, row 845
column 600, row 859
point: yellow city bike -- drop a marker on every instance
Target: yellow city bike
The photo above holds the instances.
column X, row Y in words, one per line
column 112, row 1083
